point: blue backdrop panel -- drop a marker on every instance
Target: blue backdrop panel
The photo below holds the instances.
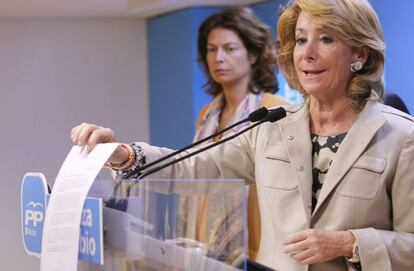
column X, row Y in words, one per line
column 397, row 22
column 170, row 41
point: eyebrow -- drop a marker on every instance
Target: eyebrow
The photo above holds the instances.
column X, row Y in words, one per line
column 320, row 29
column 225, row 44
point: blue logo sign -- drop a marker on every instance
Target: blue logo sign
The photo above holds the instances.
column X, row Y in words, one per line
column 34, row 199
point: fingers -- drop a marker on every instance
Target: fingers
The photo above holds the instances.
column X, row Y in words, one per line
column 77, row 133
column 99, row 135
column 89, row 135
column 85, row 133
column 296, row 237
column 295, row 248
column 74, row 133
column 306, row 256
column 314, row 246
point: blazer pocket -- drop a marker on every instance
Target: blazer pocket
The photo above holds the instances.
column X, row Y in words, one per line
column 280, row 168
column 371, row 163
column 363, row 179
column 277, row 152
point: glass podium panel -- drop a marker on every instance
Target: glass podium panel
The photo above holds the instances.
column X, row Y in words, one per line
column 173, row 225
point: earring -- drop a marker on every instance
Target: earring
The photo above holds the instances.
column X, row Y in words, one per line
column 356, row 66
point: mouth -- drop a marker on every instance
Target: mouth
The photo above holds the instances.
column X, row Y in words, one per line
column 220, row 72
column 310, row 73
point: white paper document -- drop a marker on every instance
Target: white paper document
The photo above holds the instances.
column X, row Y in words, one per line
column 60, row 241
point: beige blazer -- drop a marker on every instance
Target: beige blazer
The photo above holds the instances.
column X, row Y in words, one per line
column 369, row 187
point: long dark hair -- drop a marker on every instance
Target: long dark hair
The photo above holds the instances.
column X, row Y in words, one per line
column 256, row 37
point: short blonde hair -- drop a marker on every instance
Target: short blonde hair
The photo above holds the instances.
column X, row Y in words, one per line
column 355, row 23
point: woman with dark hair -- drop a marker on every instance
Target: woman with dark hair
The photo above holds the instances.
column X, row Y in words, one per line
column 238, row 56
column 239, row 59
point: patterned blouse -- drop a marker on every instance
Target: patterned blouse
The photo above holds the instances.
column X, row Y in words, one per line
column 323, row 151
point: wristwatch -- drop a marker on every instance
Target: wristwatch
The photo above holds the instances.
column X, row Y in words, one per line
column 355, row 253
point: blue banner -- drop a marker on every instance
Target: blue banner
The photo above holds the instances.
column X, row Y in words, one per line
column 34, row 198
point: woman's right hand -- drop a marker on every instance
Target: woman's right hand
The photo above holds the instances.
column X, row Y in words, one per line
column 88, row 135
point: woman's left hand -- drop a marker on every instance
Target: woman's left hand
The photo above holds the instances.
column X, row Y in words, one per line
column 314, row 246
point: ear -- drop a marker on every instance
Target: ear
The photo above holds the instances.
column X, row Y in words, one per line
column 360, row 54
column 252, row 58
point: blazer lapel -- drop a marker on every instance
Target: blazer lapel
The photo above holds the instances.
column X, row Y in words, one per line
column 296, row 135
column 353, row 145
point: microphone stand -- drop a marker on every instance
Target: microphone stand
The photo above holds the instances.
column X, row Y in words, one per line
column 255, row 116
column 273, row 116
column 149, row 172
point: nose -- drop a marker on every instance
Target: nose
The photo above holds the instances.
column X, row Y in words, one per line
column 310, row 51
column 220, row 55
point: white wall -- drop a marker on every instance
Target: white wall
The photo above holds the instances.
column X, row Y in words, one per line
column 55, row 74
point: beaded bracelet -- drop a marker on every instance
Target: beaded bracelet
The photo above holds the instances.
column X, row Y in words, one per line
column 127, row 164
column 139, row 161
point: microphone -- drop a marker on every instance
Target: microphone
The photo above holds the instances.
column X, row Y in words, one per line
column 257, row 115
column 254, row 116
column 273, row 116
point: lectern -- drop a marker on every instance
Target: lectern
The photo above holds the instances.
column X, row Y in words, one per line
column 154, row 225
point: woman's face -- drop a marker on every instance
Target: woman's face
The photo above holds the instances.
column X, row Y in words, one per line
column 228, row 60
column 322, row 61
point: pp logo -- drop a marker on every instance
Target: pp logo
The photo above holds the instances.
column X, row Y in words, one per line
column 33, row 212
column 32, row 217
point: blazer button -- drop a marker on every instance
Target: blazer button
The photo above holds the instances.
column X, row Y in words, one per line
column 290, row 137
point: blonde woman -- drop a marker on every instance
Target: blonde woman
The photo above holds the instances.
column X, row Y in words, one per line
column 334, row 178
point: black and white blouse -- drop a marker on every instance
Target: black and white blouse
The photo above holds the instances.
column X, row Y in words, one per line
column 323, row 151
